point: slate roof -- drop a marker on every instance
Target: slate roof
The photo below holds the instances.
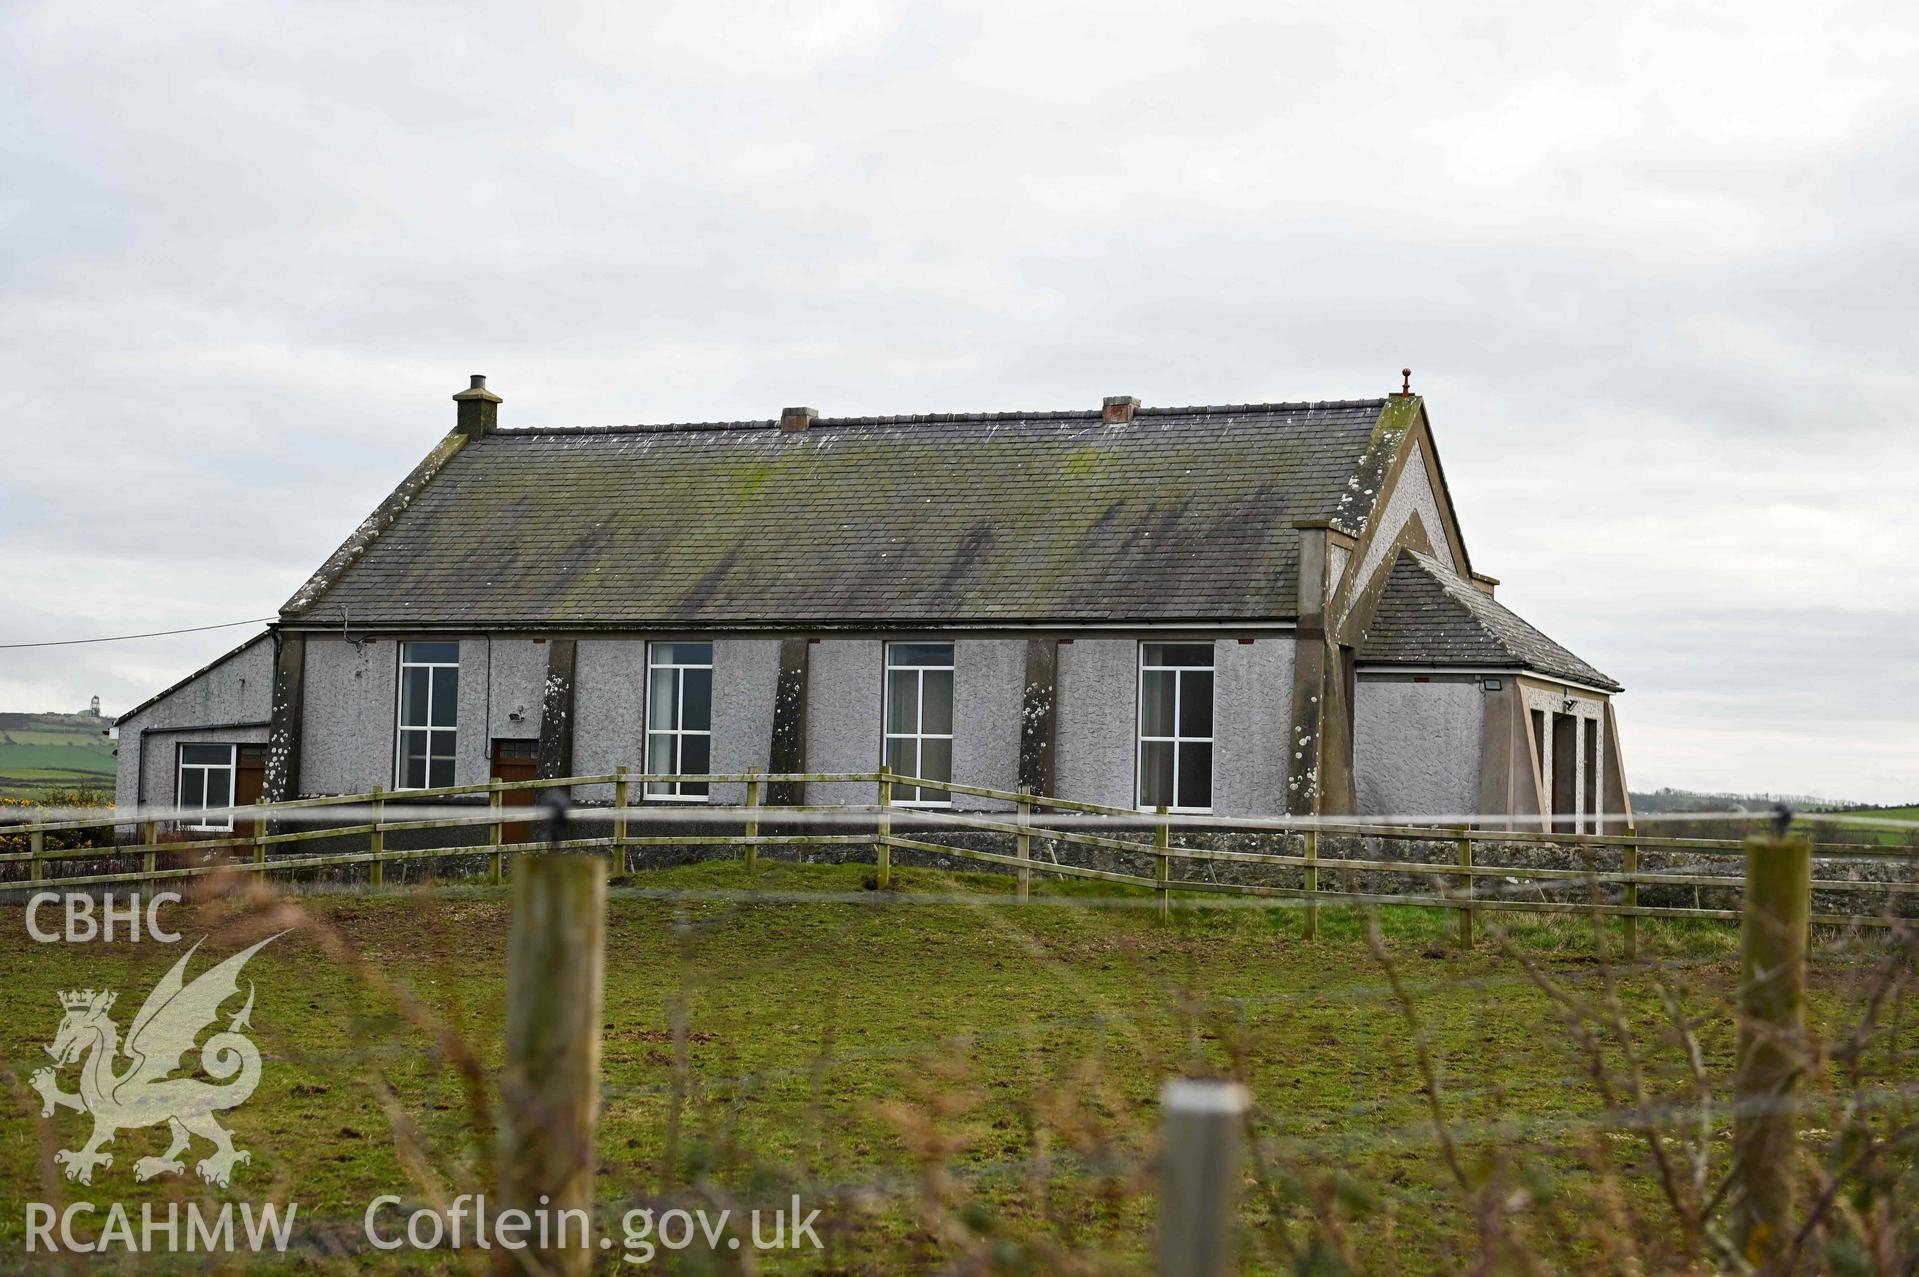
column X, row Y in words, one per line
column 1179, row 514
column 1430, row 615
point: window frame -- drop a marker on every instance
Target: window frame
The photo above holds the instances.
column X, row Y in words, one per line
column 673, row 791
column 1141, row 739
column 231, row 767
column 401, row 727
column 919, row 736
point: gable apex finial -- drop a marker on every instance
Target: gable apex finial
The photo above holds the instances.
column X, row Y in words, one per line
column 1406, row 381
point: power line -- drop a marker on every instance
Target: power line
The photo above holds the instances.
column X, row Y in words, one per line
column 121, row 638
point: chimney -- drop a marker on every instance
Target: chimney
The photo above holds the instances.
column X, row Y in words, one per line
column 793, row 420
column 1116, row 409
column 479, row 409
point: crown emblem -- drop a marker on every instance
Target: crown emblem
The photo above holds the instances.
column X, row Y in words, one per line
column 87, row 1000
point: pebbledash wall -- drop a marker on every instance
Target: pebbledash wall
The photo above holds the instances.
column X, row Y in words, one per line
column 229, row 702
column 1418, row 747
column 348, row 724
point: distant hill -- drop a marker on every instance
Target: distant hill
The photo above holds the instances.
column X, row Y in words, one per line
column 1684, row 802
column 1690, row 800
column 54, row 751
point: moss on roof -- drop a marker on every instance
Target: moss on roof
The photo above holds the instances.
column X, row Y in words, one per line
column 1180, row 514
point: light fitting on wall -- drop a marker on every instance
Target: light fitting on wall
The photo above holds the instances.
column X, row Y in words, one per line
column 1568, row 706
column 518, row 714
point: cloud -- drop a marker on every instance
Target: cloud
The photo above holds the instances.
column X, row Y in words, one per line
column 1649, row 263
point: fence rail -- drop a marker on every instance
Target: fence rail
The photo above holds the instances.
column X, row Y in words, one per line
column 1460, row 883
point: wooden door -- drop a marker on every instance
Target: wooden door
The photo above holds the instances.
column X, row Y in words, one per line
column 249, row 780
column 516, row 760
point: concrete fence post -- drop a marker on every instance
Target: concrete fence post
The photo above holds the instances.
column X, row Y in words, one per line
column 1201, row 1129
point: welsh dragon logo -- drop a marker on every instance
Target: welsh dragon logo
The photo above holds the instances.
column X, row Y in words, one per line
column 145, row 1094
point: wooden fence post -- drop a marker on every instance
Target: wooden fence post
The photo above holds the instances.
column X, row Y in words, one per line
column 1772, row 1048
column 1312, row 884
column 151, row 860
column 550, row 1085
column 1023, row 840
column 36, row 847
column 751, row 851
column 1201, row 1125
column 495, row 835
column 1468, row 912
column 883, row 844
column 1630, row 863
column 617, row 854
column 1162, row 839
column 376, row 841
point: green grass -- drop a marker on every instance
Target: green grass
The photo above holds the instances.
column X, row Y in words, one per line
column 839, row 1050
column 1838, row 830
column 53, row 749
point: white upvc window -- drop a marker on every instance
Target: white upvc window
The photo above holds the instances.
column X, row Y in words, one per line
column 919, row 719
column 428, row 716
column 1176, row 726
column 206, row 785
column 679, row 719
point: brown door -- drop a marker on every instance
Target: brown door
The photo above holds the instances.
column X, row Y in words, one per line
column 249, row 778
column 516, row 760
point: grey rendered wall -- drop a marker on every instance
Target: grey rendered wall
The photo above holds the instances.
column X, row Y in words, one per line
column 347, row 722
column 843, row 716
column 350, row 716
column 1094, row 720
column 518, row 675
column 609, row 711
column 1413, row 493
column 1252, row 718
column 746, row 675
column 1417, row 747
column 237, row 690
column 989, row 681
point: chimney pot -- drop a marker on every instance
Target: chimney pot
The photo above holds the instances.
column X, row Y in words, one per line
column 478, row 409
column 793, row 420
column 1115, row 409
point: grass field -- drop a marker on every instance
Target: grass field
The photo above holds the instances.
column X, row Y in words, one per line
column 911, row 1067
column 1839, row 829
column 60, row 751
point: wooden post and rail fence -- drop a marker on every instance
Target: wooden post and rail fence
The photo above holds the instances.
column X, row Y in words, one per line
column 550, row 1084
column 1474, row 879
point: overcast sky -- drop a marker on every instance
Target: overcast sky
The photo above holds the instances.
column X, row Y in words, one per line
column 1654, row 265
